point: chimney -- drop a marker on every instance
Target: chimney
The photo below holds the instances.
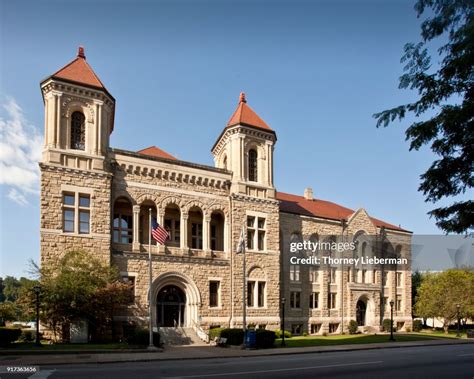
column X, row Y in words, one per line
column 308, row 193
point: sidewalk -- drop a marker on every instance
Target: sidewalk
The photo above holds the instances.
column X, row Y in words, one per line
column 198, row 352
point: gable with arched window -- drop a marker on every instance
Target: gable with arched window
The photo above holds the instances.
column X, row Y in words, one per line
column 78, row 131
column 252, row 165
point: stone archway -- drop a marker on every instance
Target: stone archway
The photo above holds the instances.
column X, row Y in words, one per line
column 361, row 308
column 170, row 306
column 365, row 311
column 177, row 295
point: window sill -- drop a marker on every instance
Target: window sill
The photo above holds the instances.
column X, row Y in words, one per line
column 73, row 234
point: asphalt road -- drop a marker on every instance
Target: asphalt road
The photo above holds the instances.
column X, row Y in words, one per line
column 454, row 361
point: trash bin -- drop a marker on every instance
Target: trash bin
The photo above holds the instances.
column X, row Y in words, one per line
column 251, row 339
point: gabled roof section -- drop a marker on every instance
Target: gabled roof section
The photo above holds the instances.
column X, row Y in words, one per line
column 154, row 151
column 246, row 116
column 78, row 71
column 320, row 208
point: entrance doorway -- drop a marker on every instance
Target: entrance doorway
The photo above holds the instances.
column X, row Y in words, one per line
column 170, row 306
column 361, row 308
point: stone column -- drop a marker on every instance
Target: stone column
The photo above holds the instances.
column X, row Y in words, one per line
column 46, row 121
column 206, row 233
column 54, row 101
column 160, row 216
column 184, row 230
column 98, row 127
column 242, row 158
column 136, row 221
column 269, row 164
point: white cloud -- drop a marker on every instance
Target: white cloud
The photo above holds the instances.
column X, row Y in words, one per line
column 20, row 151
column 17, row 197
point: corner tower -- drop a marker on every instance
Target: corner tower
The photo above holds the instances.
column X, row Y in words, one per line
column 75, row 177
column 245, row 147
column 79, row 116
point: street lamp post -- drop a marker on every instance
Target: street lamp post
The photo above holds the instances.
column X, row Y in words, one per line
column 458, row 308
column 37, row 290
column 283, row 300
column 391, row 320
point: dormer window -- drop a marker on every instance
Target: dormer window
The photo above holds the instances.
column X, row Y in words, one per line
column 78, row 131
column 253, row 172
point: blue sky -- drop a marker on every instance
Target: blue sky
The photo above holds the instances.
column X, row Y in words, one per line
column 315, row 71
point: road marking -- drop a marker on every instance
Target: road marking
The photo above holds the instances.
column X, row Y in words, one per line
column 41, row 374
column 465, row 355
column 276, row 370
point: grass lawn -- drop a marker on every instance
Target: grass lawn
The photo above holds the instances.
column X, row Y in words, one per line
column 440, row 333
column 351, row 339
column 64, row 346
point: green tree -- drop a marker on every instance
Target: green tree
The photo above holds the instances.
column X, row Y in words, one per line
column 11, row 288
column 2, row 286
column 8, row 312
column 440, row 293
column 78, row 286
column 416, row 280
column 449, row 92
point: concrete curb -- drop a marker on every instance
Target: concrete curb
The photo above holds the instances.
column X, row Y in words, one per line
column 255, row 353
column 76, row 352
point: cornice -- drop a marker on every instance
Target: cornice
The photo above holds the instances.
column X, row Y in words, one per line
column 61, row 169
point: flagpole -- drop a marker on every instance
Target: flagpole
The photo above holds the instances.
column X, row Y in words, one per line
column 150, row 323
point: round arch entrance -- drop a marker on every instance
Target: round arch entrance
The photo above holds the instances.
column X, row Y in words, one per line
column 361, row 309
column 170, row 306
column 175, row 300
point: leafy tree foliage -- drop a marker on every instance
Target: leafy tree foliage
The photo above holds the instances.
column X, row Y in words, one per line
column 416, row 280
column 8, row 312
column 2, row 286
column 448, row 91
column 79, row 286
column 440, row 293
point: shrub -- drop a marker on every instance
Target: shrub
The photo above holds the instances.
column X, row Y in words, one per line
column 353, row 327
column 407, row 329
column 265, row 338
column 386, row 325
column 417, row 325
column 27, row 336
column 141, row 337
column 278, row 333
column 215, row 333
column 8, row 335
column 234, row 336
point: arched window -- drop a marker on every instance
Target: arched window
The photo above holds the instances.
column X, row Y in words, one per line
column 78, row 131
column 253, row 174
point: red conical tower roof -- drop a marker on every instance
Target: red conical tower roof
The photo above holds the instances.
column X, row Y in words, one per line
column 246, row 116
column 79, row 71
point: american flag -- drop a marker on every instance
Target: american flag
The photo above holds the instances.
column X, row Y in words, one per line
column 158, row 233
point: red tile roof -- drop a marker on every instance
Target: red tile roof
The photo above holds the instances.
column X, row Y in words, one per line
column 246, row 116
column 154, row 151
column 79, row 71
column 320, row 208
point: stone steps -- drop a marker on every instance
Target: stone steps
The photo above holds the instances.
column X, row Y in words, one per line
column 180, row 336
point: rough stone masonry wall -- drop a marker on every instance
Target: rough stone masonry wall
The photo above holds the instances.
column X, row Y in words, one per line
column 200, row 273
column 54, row 242
column 268, row 261
column 306, row 227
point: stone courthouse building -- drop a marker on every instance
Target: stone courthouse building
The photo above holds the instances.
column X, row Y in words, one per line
column 97, row 198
